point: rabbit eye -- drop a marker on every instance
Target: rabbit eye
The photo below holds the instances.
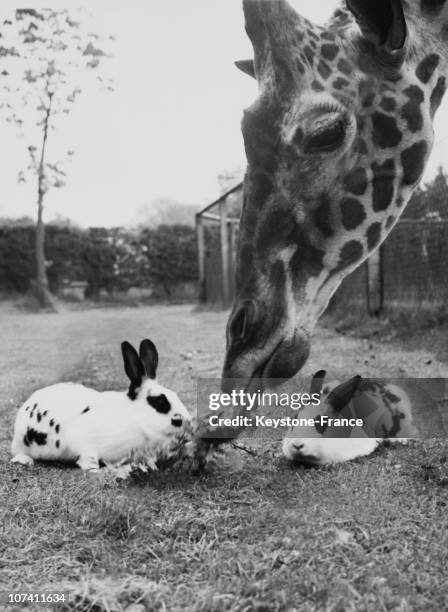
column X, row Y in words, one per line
column 159, row 403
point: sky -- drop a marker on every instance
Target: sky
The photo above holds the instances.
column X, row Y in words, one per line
column 173, row 122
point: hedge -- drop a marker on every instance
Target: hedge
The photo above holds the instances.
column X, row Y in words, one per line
column 107, row 259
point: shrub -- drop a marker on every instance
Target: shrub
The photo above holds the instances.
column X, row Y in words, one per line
column 109, row 260
column 17, row 260
column 169, row 256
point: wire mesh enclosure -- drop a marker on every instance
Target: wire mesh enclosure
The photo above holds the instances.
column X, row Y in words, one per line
column 409, row 271
column 415, row 264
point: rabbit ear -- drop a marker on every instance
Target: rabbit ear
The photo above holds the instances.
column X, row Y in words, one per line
column 342, row 394
column 132, row 365
column 149, row 357
column 317, row 382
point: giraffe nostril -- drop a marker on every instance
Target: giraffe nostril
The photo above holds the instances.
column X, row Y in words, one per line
column 241, row 321
column 239, row 325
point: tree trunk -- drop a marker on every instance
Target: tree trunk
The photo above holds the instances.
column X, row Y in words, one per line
column 166, row 287
column 41, row 287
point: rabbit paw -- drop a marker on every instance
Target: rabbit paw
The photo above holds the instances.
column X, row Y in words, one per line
column 22, row 459
column 88, row 462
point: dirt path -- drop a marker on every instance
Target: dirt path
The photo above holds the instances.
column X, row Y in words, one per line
column 41, row 349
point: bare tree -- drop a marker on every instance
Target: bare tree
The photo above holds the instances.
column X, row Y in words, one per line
column 47, row 56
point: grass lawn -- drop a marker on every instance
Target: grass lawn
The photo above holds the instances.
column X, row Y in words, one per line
column 252, row 533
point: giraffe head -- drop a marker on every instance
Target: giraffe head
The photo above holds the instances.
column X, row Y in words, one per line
column 336, row 142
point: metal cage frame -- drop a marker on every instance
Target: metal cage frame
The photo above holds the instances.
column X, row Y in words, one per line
column 227, row 233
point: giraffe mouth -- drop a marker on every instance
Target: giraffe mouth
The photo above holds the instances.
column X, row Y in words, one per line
column 258, row 377
column 283, row 362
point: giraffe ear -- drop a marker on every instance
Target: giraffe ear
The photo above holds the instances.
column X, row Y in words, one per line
column 246, row 66
column 384, row 19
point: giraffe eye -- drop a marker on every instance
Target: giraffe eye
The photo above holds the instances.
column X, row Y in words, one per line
column 326, row 138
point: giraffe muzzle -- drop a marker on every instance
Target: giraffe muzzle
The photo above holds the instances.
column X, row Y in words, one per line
column 249, row 368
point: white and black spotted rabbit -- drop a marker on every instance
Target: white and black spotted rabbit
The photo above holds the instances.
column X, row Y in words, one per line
column 70, row 422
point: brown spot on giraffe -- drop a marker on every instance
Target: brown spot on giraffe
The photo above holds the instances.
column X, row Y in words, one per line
column 427, row 67
column 385, row 132
column 340, row 83
column 437, row 95
column 411, row 111
column 317, row 86
column 345, row 67
column 390, row 221
column 353, row 213
column 383, row 184
column 369, row 99
column 373, row 235
column 329, row 51
column 322, row 217
column 350, row 253
column 413, row 161
column 324, row 69
column 356, row 181
column 388, row 104
column 309, row 55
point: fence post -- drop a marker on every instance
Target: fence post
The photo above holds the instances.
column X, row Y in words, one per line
column 232, row 255
column 201, row 258
column 375, row 283
column 224, row 252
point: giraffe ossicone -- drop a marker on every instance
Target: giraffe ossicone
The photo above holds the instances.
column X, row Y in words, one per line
column 336, row 142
